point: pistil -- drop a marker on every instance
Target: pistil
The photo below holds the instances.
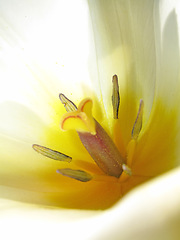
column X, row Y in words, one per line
column 94, row 138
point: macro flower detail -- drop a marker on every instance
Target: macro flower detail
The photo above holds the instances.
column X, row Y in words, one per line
column 75, row 47
column 97, row 142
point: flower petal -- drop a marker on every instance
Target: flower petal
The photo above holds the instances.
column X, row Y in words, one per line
column 37, row 51
column 151, row 211
column 125, row 43
column 142, row 214
column 167, row 52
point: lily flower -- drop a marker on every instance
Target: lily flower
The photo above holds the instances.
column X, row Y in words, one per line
column 115, row 146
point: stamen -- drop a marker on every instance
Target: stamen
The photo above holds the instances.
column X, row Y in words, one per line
column 115, row 97
column 68, row 104
column 138, row 123
column 127, row 169
column 130, row 151
column 51, row 153
column 75, row 174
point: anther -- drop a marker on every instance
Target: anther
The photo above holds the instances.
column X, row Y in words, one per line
column 79, row 175
column 138, row 122
column 115, row 96
column 68, row 104
column 47, row 152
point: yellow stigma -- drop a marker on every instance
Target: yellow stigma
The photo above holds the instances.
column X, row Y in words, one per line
column 81, row 119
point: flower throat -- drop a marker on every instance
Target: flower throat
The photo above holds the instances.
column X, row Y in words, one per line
column 94, row 138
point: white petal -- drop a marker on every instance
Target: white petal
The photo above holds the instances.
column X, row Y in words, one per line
column 20, row 123
column 125, row 45
column 44, row 50
column 168, row 51
column 167, row 35
column 151, row 211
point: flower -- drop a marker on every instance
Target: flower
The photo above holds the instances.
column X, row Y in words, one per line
column 131, row 39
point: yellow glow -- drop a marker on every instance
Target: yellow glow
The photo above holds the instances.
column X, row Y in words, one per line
column 144, row 157
column 154, row 154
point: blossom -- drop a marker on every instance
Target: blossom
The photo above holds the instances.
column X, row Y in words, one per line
column 45, row 53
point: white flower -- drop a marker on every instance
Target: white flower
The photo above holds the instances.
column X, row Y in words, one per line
column 75, row 48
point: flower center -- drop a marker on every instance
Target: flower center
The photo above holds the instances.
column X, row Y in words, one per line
column 94, row 138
